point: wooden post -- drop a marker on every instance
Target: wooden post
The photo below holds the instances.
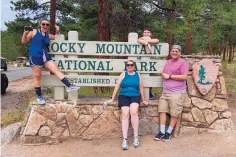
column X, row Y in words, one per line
column 59, row 91
column 73, row 35
column 146, row 89
column 133, row 38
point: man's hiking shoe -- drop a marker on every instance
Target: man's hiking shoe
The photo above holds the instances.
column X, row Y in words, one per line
column 159, row 136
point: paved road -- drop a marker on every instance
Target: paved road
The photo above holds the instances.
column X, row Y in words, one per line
column 17, row 73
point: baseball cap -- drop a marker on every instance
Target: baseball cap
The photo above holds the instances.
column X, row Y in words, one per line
column 176, row 47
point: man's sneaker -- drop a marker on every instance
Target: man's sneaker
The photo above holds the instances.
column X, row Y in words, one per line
column 136, row 141
column 72, row 88
column 40, row 100
column 167, row 137
column 124, row 145
column 159, row 136
column 151, row 97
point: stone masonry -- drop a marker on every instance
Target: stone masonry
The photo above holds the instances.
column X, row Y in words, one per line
column 84, row 119
column 88, row 119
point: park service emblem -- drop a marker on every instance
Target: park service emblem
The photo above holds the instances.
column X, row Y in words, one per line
column 204, row 75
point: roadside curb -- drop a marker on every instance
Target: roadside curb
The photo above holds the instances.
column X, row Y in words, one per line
column 10, row 133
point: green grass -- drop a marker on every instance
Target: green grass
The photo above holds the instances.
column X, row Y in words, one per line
column 229, row 73
column 89, row 91
column 11, row 116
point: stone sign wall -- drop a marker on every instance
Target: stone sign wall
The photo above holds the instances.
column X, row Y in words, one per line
column 207, row 112
column 87, row 119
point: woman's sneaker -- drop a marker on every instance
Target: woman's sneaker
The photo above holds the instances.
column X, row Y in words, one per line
column 136, row 141
column 40, row 100
column 72, row 88
column 124, row 145
column 159, row 136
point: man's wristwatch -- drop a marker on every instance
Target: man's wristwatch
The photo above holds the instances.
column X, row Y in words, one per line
column 169, row 76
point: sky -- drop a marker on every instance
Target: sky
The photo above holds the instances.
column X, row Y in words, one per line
column 6, row 13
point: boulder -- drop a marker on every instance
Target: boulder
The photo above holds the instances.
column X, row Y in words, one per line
column 104, row 126
column 226, row 114
column 86, row 119
column 198, row 115
column 34, row 122
column 210, row 116
column 47, row 111
column 45, row 131
column 222, row 125
column 187, row 117
column 200, row 103
column 219, row 105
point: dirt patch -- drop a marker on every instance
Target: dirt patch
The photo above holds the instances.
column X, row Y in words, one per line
column 204, row 145
column 232, row 108
column 15, row 102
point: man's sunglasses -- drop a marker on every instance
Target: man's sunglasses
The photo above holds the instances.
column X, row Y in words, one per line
column 131, row 65
column 43, row 24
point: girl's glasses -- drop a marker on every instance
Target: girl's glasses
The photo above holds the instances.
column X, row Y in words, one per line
column 43, row 24
column 131, row 65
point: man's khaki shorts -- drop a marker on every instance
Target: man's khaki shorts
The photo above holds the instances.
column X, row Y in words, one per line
column 171, row 103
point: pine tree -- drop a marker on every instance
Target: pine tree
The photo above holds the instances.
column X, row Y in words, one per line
column 202, row 76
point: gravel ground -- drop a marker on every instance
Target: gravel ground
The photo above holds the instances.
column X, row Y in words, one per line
column 17, row 97
column 204, row 145
column 18, row 92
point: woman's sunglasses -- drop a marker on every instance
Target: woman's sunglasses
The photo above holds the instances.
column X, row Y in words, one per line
column 129, row 65
column 43, row 24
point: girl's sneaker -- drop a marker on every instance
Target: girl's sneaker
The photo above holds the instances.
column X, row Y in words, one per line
column 72, row 88
column 136, row 141
column 124, row 145
column 40, row 100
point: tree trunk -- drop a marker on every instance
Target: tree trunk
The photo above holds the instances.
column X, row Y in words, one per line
column 170, row 38
column 225, row 46
column 224, row 53
column 188, row 46
column 227, row 52
column 103, row 30
column 210, row 37
column 104, row 15
column 100, row 25
column 219, row 50
column 221, row 47
column 52, row 16
column 230, row 51
column 233, row 52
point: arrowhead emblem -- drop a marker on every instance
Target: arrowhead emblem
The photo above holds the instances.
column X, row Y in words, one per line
column 205, row 75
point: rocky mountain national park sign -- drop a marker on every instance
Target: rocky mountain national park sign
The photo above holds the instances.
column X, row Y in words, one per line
column 87, row 119
column 67, row 57
column 79, row 60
